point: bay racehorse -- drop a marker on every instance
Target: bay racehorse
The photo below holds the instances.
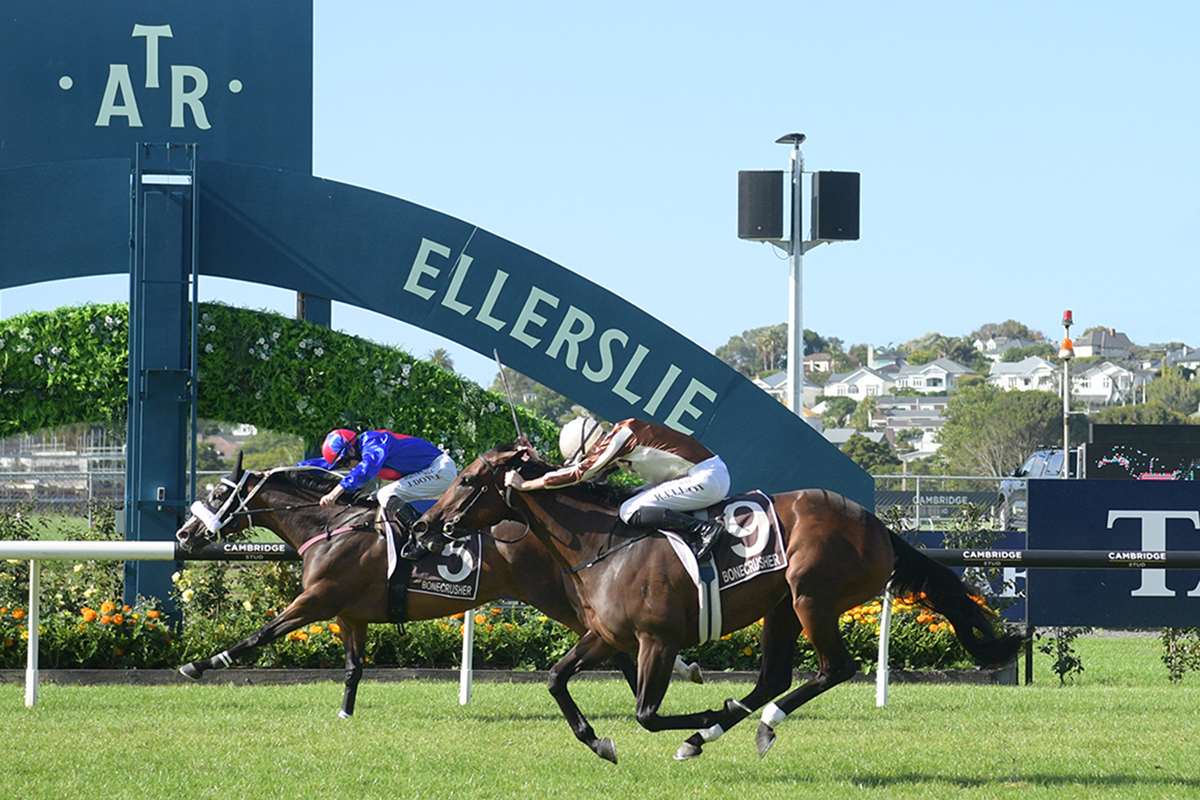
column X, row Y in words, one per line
column 640, row 600
column 344, row 576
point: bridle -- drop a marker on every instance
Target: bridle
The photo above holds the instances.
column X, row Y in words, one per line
column 215, row 521
column 450, row 529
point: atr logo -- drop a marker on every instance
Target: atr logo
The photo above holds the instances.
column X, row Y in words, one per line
column 1154, row 538
column 189, row 85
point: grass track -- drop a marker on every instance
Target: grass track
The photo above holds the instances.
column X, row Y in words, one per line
column 1121, row 732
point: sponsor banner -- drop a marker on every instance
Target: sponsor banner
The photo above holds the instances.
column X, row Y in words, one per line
column 753, row 546
column 1132, row 521
column 454, row 572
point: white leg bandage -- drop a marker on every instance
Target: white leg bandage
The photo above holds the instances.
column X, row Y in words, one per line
column 712, row 734
column 772, row 715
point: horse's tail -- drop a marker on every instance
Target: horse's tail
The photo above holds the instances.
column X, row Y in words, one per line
column 937, row 587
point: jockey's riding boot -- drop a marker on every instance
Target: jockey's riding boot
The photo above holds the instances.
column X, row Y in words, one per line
column 402, row 516
column 701, row 534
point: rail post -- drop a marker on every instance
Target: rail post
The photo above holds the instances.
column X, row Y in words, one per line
column 31, row 649
column 885, row 630
column 468, row 654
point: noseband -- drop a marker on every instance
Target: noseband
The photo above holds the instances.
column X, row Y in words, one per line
column 450, row 528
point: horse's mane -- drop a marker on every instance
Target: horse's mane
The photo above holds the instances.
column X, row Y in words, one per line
column 310, row 480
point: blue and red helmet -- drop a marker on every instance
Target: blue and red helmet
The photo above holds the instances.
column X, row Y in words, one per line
column 337, row 445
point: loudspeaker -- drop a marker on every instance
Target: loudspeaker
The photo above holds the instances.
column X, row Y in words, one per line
column 835, row 206
column 760, row 204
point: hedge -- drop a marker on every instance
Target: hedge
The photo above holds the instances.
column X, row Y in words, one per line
column 286, row 375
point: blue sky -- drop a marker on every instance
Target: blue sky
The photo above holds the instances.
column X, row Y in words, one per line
column 1017, row 158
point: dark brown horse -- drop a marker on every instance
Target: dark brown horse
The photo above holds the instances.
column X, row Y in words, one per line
column 640, row 600
column 344, row 576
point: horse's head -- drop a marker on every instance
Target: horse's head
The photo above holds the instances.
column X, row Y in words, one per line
column 477, row 498
column 215, row 515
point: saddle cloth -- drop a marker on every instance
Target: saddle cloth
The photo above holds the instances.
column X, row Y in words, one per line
column 752, row 546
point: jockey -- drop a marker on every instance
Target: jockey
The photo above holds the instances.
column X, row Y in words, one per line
column 683, row 475
column 413, row 468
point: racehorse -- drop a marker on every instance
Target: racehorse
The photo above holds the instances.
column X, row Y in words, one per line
column 640, row 600
column 343, row 576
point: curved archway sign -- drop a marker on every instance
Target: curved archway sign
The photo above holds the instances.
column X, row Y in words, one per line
column 263, row 217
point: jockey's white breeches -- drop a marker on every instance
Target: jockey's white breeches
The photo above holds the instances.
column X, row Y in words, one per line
column 428, row 484
column 704, row 484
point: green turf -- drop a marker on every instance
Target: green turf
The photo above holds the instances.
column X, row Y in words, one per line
column 1121, row 732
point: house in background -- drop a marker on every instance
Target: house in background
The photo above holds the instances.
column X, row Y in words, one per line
column 1029, row 374
column 936, row 377
column 1103, row 385
column 818, row 362
column 995, row 347
column 776, row 384
column 858, row 384
column 1187, row 358
column 839, row 436
column 1107, row 343
column 933, row 404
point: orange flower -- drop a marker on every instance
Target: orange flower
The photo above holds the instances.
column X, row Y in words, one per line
column 315, row 629
column 3, row 610
column 150, row 625
column 18, row 613
column 9, row 642
column 107, row 607
column 126, row 609
column 88, row 614
column 480, row 619
column 298, row 636
column 105, row 619
column 495, row 612
column 153, row 614
column 459, row 615
column 334, row 628
column 118, row 619
column 747, row 650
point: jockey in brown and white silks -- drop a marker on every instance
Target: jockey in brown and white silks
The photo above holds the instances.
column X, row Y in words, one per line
column 683, row 475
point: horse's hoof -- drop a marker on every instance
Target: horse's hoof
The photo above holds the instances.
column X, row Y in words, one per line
column 343, row 715
column 189, row 671
column 686, row 751
column 695, row 675
column 606, row 749
column 764, row 739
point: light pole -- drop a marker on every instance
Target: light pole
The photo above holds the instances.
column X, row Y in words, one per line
column 1066, row 352
column 795, row 351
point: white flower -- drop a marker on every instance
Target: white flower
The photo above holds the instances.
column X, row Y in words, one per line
column 261, row 340
column 206, row 316
column 188, row 594
column 320, row 351
column 88, row 592
column 303, row 344
column 250, row 351
column 404, row 370
column 208, row 348
column 78, row 568
column 37, row 359
column 55, row 350
column 175, row 577
column 246, row 604
column 109, row 321
column 92, row 328
column 275, row 336
column 212, row 328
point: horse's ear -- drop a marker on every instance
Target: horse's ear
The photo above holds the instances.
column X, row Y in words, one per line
column 238, row 469
column 526, row 449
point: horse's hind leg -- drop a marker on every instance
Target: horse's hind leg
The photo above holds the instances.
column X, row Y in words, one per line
column 309, row 606
column 820, row 621
column 588, row 651
column 656, row 662
column 781, row 627
column 354, row 639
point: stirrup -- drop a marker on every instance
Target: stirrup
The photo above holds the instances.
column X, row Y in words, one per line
column 702, row 544
column 412, row 550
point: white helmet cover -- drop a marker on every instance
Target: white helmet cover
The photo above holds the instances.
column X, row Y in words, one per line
column 577, row 437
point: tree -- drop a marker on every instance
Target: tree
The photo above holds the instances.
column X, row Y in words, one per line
column 536, row 397
column 441, row 358
column 869, row 455
column 860, row 420
column 761, row 351
column 1041, row 349
column 208, row 459
column 268, row 449
column 1009, row 329
column 837, row 411
column 1142, row 414
column 991, row 432
column 906, row 436
column 1174, row 391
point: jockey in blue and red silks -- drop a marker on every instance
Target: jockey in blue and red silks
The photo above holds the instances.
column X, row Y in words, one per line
column 416, row 472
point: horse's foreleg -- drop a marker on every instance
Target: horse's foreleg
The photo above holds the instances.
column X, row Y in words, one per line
column 308, row 607
column 656, row 661
column 780, row 630
column 820, row 621
column 589, row 650
column 354, row 639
